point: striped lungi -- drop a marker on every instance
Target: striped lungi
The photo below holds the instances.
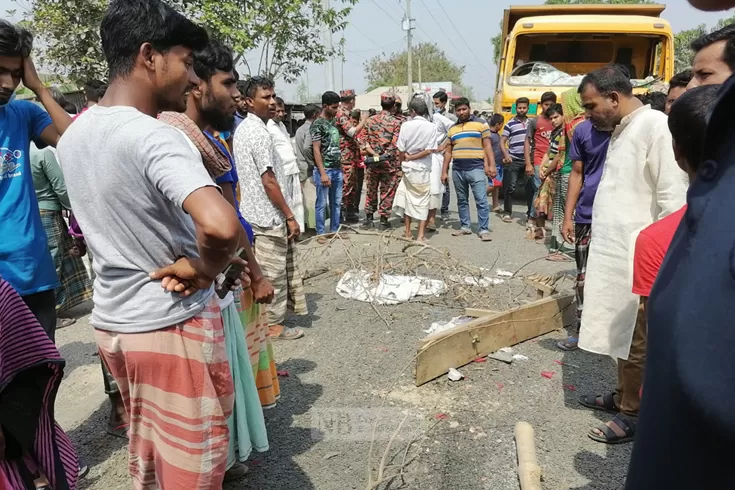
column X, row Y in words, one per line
column 178, row 392
column 413, row 197
column 260, row 348
column 75, row 285
column 276, row 255
column 560, row 201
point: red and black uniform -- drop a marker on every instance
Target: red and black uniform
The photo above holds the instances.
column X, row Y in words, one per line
column 352, row 165
column 381, row 134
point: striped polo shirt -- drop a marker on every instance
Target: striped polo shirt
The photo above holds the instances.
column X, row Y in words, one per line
column 515, row 131
column 466, row 138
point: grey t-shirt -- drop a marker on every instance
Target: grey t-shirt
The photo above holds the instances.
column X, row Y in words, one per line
column 128, row 176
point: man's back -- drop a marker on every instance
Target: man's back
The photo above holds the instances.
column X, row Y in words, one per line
column 381, row 132
column 417, row 135
column 303, row 145
column 128, row 176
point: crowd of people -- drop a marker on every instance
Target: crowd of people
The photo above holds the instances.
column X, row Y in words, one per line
column 181, row 185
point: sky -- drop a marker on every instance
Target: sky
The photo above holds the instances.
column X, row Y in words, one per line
column 462, row 28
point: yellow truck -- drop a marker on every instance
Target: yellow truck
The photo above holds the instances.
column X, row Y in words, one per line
column 551, row 48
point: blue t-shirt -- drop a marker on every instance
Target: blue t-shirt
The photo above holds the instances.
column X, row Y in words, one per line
column 25, row 260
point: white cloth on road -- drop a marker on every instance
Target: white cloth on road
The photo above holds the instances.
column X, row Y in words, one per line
column 641, row 183
column 390, row 290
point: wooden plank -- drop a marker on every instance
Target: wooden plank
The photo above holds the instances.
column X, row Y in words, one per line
column 479, row 313
column 463, row 344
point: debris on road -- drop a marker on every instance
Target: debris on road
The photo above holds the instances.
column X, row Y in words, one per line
column 438, row 327
column 503, row 273
column 331, row 455
column 548, row 374
column 529, row 472
column 519, row 357
column 570, row 387
column 454, row 375
column 360, row 285
column 502, row 356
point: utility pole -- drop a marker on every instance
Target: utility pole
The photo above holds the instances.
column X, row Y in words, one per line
column 408, row 27
column 421, row 80
column 330, row 47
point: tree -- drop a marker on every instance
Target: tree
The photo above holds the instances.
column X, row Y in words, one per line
column 303, row 96
column 287, row 33
column 497, row 40
column 683, row 53
column 392, row 71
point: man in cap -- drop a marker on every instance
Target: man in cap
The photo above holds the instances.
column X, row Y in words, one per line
column 381, row 137
column 398, row 110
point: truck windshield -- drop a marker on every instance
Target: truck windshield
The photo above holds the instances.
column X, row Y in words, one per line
column 563, row 60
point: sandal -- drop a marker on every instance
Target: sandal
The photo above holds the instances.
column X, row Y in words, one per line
column 626, row 424
column 607, row 405
column 462, row 232
column 568, row 345
column 120, row 431
column 507, row 219
column 558, row 257
column 431, row 226
column 65, row 322
column 486, row 237
column 279, row 332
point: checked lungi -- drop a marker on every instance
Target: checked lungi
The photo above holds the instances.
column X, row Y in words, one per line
column 75, row 286
column 177, row 389
column 276, row 255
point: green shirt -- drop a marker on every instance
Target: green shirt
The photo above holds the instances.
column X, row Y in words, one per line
column 48, row 180
column 326, row 132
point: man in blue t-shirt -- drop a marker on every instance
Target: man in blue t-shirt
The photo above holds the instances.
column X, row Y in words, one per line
column 25, row 260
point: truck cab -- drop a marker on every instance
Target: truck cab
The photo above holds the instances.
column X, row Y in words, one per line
column 552, row 47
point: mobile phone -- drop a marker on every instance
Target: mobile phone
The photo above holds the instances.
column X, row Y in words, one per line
column 232, row 274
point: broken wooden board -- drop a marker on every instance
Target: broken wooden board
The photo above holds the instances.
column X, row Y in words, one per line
column 478, row 312
column 463, row 344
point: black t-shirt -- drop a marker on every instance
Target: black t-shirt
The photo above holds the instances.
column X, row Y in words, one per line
column 685, row 438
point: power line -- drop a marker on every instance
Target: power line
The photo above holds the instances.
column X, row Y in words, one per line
column 390, row 16
column 463, row 39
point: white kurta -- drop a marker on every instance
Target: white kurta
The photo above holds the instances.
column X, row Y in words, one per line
column 640, row 184
column 287, row 156
column 442, row 124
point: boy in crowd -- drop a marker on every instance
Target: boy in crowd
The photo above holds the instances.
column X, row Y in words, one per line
column 328, row 159
column 677, row 86
column 25, row 260
column 535, row 147
column 157, row 322
column 512, row 142
column 494, row 184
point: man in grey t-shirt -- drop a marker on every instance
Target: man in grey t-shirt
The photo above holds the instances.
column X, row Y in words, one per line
column 160, row 232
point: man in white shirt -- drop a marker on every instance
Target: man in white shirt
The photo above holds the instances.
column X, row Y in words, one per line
column 287, row 159
column 416, row 142
column 640, row 184
column 266, row 208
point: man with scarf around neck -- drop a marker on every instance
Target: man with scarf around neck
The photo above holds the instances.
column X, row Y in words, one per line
column 211, row 105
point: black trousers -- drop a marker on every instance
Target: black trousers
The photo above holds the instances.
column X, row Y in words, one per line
column 43, row 306
column 512, row 172
column 446, row 199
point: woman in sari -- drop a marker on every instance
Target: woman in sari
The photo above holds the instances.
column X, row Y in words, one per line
column 34, row 451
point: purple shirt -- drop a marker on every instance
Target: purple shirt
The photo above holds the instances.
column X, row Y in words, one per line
column 589, row 146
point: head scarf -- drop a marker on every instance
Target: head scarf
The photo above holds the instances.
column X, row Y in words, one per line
column 214, row 159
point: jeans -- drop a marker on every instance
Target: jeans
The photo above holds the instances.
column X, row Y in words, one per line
column 536, row 187
column 333, row 194
column 475, row 180
column 446, row 199
column 43, row 307
column 511, row 172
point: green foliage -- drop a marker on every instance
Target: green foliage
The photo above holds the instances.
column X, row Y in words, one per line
column 285, row 33
column 683, row 54
column 392, row 70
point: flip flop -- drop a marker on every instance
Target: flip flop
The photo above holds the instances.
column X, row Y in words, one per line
column 569, row 344
column 486, row 237
column 507, row 219
column 120, row 431
column 288, row 333
column 558, row 257
column 65, row 322
column 461, row 233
